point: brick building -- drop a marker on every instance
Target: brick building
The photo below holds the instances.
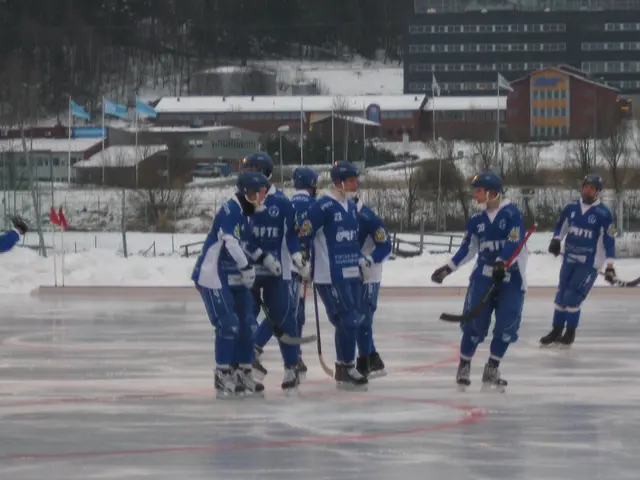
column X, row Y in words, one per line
column 560, row 102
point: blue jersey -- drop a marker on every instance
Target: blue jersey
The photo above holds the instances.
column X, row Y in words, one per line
column 302, row 201
column 374, row 240
column 493, row 236
column 589, row 232
column 333, row 225
column 222, row 254
column 273, row 232
column 8, row 240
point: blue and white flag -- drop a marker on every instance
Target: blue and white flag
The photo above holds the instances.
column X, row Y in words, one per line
column 78, row 111
column 114, row 109
column 504, row 83
column 145, row 110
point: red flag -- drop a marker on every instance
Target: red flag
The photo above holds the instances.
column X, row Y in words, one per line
column 63, row 221
column 53, row 217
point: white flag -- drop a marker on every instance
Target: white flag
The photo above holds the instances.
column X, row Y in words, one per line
column 503, row 83
column 434, row 85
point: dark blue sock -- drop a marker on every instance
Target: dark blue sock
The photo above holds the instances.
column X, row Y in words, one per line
column 573, row 318
column 365, row 340
column 559, row 318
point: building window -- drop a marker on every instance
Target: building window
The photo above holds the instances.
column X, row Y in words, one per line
column 499, row 28
column 611, row 67
column 622, row 27
column 487, row 47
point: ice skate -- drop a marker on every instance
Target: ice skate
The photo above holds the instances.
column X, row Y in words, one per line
column 291, row 379
column 552, row 337
column 376, row 366
column 491, row 379
column 226, row 385
column 568, row 338
column 251, row 385
column 362, row 365
column 463, row 376
column 301, row 370
column 259, row 372
column 349, row 378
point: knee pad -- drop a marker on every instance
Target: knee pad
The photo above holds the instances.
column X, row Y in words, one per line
column 228, row 326
column 572, row 300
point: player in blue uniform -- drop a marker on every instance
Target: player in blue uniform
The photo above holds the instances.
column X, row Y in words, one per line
column 9, row 239
column 332, row 223
column 305, row 181
column 275, row 248
column 223, row 276
column 493, row 234
column 587, row 227
column 375, row 246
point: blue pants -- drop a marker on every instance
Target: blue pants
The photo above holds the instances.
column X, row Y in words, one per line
column 370, row 292
column 278, row 298
column 230, row 312
column 342, row 301
column 506, row 302
column 576, row 281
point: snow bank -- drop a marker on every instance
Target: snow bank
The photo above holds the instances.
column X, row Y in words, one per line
column 23, row 270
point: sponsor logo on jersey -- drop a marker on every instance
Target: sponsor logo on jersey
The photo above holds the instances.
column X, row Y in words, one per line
column 346, row 235
column 611, row 231
column 269, row 232
column 492, row 245
column 581, row 232
column 236, row 231
column 380, row 235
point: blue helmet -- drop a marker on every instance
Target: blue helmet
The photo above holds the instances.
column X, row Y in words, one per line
column 488, row 181
column 305, row 177
column 251, row 182
column 595, row 180
column 260, row 162
column 343, row 170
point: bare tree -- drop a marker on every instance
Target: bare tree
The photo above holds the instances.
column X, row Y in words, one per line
column 19, row 98
column 580, row 157
column 452, row 183
column 522, row 170
column 614, row 150
column 408, row 187
column 340, row 107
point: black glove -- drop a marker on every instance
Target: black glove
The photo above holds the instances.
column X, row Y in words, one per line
column 440, row 274
column 20, row 225
column 554, row 247
column 610, row 275
column 499, row 272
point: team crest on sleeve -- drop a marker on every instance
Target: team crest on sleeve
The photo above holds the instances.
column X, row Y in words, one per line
column 236, row 231
column 305, row 228
column 611, row 231
column 380, row 235
column 514, row 234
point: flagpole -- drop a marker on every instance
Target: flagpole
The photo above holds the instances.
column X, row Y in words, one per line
column 69, row 149
column 55, row 262
column 333, row 146
column 364, row 136
column 497, row 118
column 433, row 128
column 136, row 127
column 103, row 163
column 302, row 122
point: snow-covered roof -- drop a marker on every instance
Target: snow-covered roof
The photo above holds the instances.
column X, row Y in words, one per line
column 55, row 145
column 466, row 103
column 314, row 103
column 217, row 128
column 121, row 156
column 323, row 103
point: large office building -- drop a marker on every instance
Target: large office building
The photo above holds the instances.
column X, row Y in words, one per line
column 464, row 44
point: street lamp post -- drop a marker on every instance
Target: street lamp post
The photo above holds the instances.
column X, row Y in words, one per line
column 282, row 129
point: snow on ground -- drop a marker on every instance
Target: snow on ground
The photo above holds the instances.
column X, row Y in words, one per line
column 23, row 270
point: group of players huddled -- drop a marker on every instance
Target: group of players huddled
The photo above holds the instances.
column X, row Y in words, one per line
column 265, row 251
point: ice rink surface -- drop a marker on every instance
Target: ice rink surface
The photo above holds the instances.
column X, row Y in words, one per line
column 122, row 389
